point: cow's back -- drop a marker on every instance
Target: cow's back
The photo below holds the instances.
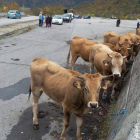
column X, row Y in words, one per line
column 111, row 37
column 42, row 69
column 133, row 36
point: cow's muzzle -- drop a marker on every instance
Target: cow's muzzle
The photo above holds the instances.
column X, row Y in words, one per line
column 93, row 105
column 116, row 75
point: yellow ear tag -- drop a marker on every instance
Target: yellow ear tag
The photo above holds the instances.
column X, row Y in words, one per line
column 78, row 86
column 104, row 87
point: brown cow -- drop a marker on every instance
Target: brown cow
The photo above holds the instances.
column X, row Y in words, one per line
column 107, row 62
column 119, row 41
column 79, row 47
column 138, row 31
column 76, row 94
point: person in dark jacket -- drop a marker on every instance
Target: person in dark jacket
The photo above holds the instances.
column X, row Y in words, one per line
column 47, row 20
column 138, row 25
column 50, row 20
column 118, row 22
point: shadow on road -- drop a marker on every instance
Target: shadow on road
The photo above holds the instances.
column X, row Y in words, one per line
column 10, row 92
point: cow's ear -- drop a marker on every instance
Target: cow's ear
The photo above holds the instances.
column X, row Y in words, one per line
column 106, row 63
column 77, row 84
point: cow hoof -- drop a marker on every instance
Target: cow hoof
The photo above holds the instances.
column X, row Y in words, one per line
column 36, row 126
column 104, row 96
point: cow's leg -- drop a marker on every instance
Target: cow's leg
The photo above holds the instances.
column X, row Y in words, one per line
column 66, row 123
column 114, row 86
column 74, row 58
column 91, row 67
column 107, row 83
column 79, row 122
column 36, row 95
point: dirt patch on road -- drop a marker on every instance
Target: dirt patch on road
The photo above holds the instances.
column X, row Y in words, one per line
column 93, row 122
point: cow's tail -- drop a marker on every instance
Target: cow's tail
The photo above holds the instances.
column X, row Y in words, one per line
column 68, row 57
column 29, row 93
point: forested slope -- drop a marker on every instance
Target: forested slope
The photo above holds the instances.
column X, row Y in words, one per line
column 128, row 9
column 43, row 3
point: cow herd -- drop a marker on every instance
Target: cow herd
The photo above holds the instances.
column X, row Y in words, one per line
column 78, row 92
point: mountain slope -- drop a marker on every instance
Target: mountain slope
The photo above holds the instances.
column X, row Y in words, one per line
column 42, row 3
column 127, row 9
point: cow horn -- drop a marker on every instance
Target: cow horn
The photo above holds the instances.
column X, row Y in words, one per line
column 104, row 77
column 124, row 57
column 128, row 48
column 109, row 55
column 119, row 43
column 132, row 44
column 81, row 77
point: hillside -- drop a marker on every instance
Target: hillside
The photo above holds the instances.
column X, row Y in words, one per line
column 127, row 9
column 43, row 3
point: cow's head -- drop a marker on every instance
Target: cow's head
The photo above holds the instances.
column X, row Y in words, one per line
column 137, row 43
column 125, row 41
column 115, row 61
column 92, row 85
column 124, row 51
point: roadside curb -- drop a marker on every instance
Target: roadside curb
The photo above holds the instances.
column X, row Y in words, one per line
column 18, row 31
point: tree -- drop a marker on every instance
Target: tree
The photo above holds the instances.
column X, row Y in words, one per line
column 13, row 6
column 23, row 8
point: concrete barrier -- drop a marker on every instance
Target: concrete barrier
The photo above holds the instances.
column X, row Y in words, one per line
column 129, row 127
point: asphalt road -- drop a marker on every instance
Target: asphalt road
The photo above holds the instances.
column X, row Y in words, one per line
column 53, row 44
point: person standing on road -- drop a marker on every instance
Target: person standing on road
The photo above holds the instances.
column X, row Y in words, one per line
column 118, row 22
column 138, row 25
column 50, row 20
column 40, row 19
column 47, row 21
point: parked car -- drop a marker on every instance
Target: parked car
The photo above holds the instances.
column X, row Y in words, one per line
column 57, row 19
column 112, row 17
column 13, row 14
column 78, row 16
column 86, row 17
column 72, row 15
column 67, row 17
